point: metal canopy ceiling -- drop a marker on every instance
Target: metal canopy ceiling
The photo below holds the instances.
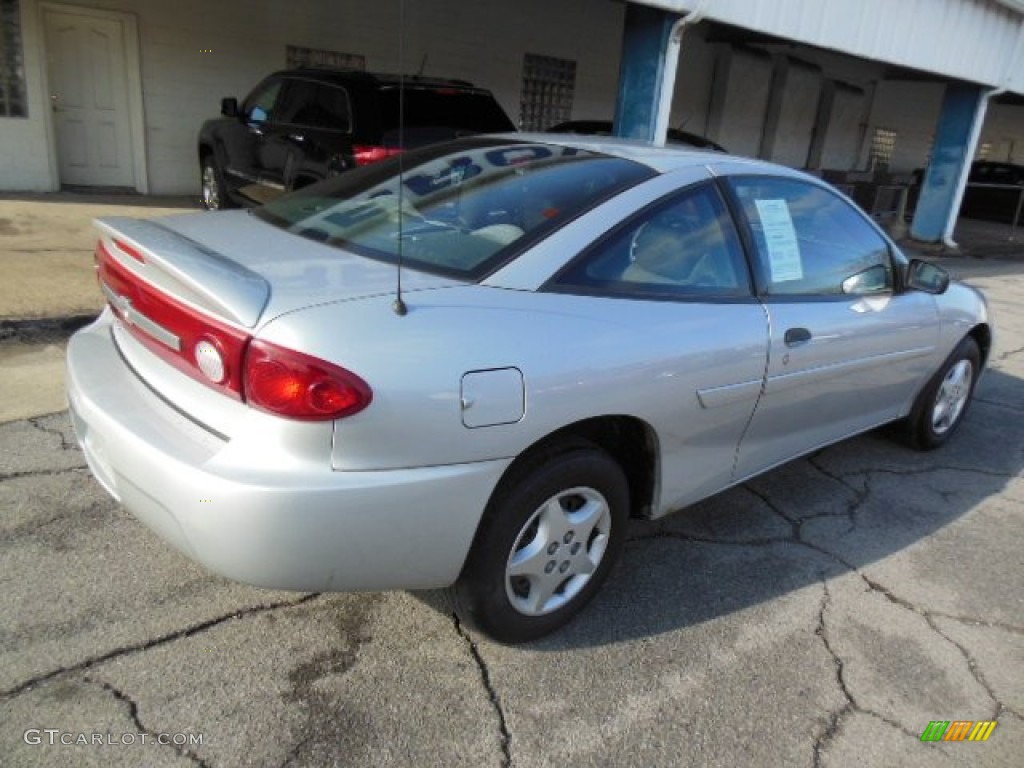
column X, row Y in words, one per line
column 979, row 41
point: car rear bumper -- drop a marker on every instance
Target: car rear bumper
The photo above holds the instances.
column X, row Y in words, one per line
column 287, row 525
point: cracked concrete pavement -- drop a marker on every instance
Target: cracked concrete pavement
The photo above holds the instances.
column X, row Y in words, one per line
column 820, row 615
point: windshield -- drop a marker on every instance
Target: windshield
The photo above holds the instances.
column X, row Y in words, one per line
column 460, row 209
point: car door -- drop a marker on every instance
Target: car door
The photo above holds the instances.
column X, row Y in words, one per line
column 277, row 147
column 694, row 347
column 311, row 135
column 848, row 350
column 244, row 147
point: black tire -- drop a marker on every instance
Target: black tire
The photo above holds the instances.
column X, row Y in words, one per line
column 590, row 490
column 941, row 406
column 214, row 194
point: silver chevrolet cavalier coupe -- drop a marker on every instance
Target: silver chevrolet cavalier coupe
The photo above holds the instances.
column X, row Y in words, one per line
column 467, row 366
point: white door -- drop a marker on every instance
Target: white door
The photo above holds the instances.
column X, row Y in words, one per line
column 89, row 97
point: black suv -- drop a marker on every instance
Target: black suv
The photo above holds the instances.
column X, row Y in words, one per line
column 995, row 191
column 303, row 125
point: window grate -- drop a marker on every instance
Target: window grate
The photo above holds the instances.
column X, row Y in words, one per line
column 13, row 100
column 883, row 144
column 549, row 84
column 297, row 56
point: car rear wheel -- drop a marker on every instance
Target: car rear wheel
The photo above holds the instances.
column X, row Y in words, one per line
column 942, row 404
column 550, row 536
column 214, row 194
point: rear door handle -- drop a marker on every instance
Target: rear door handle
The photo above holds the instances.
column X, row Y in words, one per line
column 796, row 336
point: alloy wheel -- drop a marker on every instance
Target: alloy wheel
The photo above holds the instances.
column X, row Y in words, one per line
column 211, row 190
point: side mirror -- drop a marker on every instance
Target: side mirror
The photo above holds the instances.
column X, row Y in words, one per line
column 927, row 277
column 229, row 107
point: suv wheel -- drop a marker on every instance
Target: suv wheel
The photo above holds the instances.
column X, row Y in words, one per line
column 214, row 196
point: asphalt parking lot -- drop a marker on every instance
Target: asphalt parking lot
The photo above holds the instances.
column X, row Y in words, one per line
column 821, row 615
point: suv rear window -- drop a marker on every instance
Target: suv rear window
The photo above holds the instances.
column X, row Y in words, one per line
column 439, row 114
column 460, row 209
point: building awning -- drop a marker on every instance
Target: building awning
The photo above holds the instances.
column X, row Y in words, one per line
column 978, row 41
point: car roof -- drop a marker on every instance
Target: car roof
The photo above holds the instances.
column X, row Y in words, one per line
column 339, row 75
column 661, row 159
column 995, row 164
column 606, row 128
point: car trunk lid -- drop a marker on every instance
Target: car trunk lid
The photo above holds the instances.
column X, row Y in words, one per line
column 243, row 270
column 190, row 294
column 178, row 267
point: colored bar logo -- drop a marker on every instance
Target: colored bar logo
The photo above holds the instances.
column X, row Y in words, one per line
column 958, row 730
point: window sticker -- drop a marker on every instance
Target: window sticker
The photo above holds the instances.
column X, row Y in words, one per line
column 780, row 239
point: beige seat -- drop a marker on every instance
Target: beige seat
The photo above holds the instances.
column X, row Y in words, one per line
column 659, row 254
column 686, row 256
column 502, row 234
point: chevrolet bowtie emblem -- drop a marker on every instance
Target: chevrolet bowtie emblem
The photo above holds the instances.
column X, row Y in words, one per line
column 122, row 304
column 130, row 316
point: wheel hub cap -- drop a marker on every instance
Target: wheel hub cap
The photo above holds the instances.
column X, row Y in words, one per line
column 557, row 551
column 952, row 396
column 211, row 195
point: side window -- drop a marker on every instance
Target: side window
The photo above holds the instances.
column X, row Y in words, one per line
column 259, row 107
column 332, row 108
column 684, row 247
column 811, row 242
column 315, row 105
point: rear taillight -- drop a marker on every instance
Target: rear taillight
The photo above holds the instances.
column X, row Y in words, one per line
column 209, row 350
column 133, row 252
column 299, row 386
column 365, row 154
column 271, row 378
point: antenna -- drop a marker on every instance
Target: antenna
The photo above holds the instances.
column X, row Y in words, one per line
column 398, row 306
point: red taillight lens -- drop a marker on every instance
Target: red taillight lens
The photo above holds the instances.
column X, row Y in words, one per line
column 364, row 154
column 225, row 357
column 299, row 386
column 133, row 252
column 206, row 349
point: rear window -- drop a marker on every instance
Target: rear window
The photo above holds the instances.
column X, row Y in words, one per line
column 439, row 114
column 460, row 209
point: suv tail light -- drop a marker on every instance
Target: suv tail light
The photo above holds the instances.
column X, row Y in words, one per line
column 299, row 386
column 365, row 154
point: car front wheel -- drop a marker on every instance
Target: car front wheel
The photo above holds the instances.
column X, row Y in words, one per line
column 548, row 540
column 942, row 404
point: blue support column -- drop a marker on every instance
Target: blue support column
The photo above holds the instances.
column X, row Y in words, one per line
column 963, row 110
column 645, row 43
